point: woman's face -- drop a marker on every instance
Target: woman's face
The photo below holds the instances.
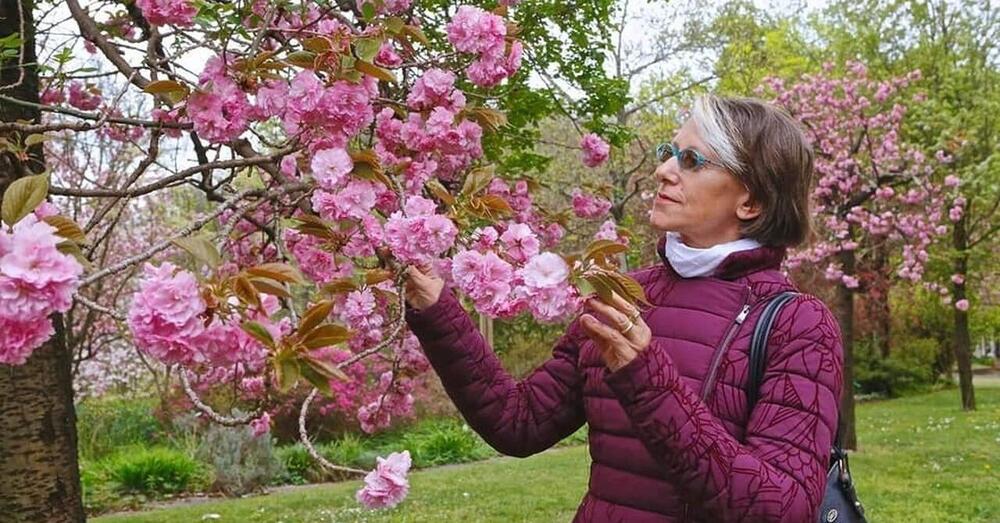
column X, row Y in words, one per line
column 704, row 205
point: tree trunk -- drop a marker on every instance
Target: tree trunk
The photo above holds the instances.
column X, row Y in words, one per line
column 877, row 296
column 961, row 342
column 845, row 316
column 39, row 474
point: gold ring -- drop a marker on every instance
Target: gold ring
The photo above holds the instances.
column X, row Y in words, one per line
column 635, row 316
column 630, row 325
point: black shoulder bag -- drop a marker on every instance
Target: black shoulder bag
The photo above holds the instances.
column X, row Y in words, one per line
column 840, row 501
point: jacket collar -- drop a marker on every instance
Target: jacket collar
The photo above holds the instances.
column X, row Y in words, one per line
column 737, row 264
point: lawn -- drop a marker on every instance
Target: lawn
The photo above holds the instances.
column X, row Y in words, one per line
column 922, row 460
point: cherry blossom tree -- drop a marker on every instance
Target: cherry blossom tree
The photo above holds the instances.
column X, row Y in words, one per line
column 875, row 199
column 333, row 144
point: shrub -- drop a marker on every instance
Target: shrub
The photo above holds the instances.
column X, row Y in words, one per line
column 444, row 441
column 157, row 470
column 298, row 466
column 241, row 462
column 909, row 369
column 522, row 344
column 108, row 424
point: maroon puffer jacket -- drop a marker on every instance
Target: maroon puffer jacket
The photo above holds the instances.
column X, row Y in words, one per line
column 670, row 435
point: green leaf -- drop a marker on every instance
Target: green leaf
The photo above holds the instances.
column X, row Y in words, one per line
column 367, row 48
column 415, row 33
column 326, row 368
column 23, row 196
column 368, row 10
column 437, row 189
column 603, row 249
column 277, row 271
column 259, row 332
column 73, row 249
column 326, row 335
column 374, row 70
column 268, row 286
column 33, row 139
column 478, row 180
column 314, row 316
column 304, row 59
column 201, row 248
column 633, row 291
column 286, row 372
column 314, row 377
column 66, row 228
column 246, row 292
column 165, row 87
column 394, row 24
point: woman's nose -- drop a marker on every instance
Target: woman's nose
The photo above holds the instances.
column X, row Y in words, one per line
column 667, row 172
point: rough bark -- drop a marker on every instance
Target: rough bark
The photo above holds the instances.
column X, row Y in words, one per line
column 844, row 310
column 39, row 474
column 961, row 343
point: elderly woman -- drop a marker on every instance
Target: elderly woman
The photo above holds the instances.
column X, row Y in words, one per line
column 664, row 390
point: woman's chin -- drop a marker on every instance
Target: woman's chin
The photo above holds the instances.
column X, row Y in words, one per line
column 661, row 222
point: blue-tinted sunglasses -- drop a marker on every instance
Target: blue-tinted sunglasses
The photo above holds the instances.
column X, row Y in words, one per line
column 687, row 159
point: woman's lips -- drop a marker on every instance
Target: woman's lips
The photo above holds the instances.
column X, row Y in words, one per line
column 666, row 198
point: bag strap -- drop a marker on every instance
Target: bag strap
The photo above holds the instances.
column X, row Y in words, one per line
column 758, row 361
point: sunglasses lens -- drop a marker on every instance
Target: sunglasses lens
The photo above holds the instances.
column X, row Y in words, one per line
column 687, row 159
column 663, row 152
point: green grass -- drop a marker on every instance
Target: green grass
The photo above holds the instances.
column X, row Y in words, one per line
column 922, row 460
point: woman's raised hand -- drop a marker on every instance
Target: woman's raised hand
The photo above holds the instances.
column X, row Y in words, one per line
column 620, row 333
column 423, row 286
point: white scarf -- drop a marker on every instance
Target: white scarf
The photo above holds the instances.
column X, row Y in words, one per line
column 691, row 262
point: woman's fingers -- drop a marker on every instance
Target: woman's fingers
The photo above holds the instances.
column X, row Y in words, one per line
column 618, row 319
column 597, row 328
column 626, row 308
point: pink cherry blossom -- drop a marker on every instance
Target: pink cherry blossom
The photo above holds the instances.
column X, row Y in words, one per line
column 486, row 278
column 219, row 110
column 354, row 201
column 164, row 12
column 261, row 425
column 962, row 305
column 52, row 96
column 414, row 239
column 436, row 88
column 35, row 278
column 84, row 98
column 595, row 150
column 387, row 56
column 589, row 206
column 957, row 279
column 330, row 167
column 19, row 337
column 272, row 98
column 491, row 68
column 386, row 486
column 473, row 30
column 165, row 314
column 545, row 270
column 609, row 231
column 520, row 242
column 164, row 116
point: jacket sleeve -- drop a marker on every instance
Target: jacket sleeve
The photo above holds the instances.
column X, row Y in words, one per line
column 517, row 418
column 778, row 473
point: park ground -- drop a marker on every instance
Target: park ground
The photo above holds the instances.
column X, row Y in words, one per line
column 921, row 460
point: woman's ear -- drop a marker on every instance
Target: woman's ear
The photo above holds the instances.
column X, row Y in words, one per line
column 747, row 208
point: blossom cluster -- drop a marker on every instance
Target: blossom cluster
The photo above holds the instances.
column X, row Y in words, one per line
column 36, row 280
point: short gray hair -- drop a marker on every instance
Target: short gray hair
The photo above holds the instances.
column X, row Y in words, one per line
column 718, row 131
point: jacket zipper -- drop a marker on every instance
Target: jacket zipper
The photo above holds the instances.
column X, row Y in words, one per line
column 709, row 382
column 713, row 370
